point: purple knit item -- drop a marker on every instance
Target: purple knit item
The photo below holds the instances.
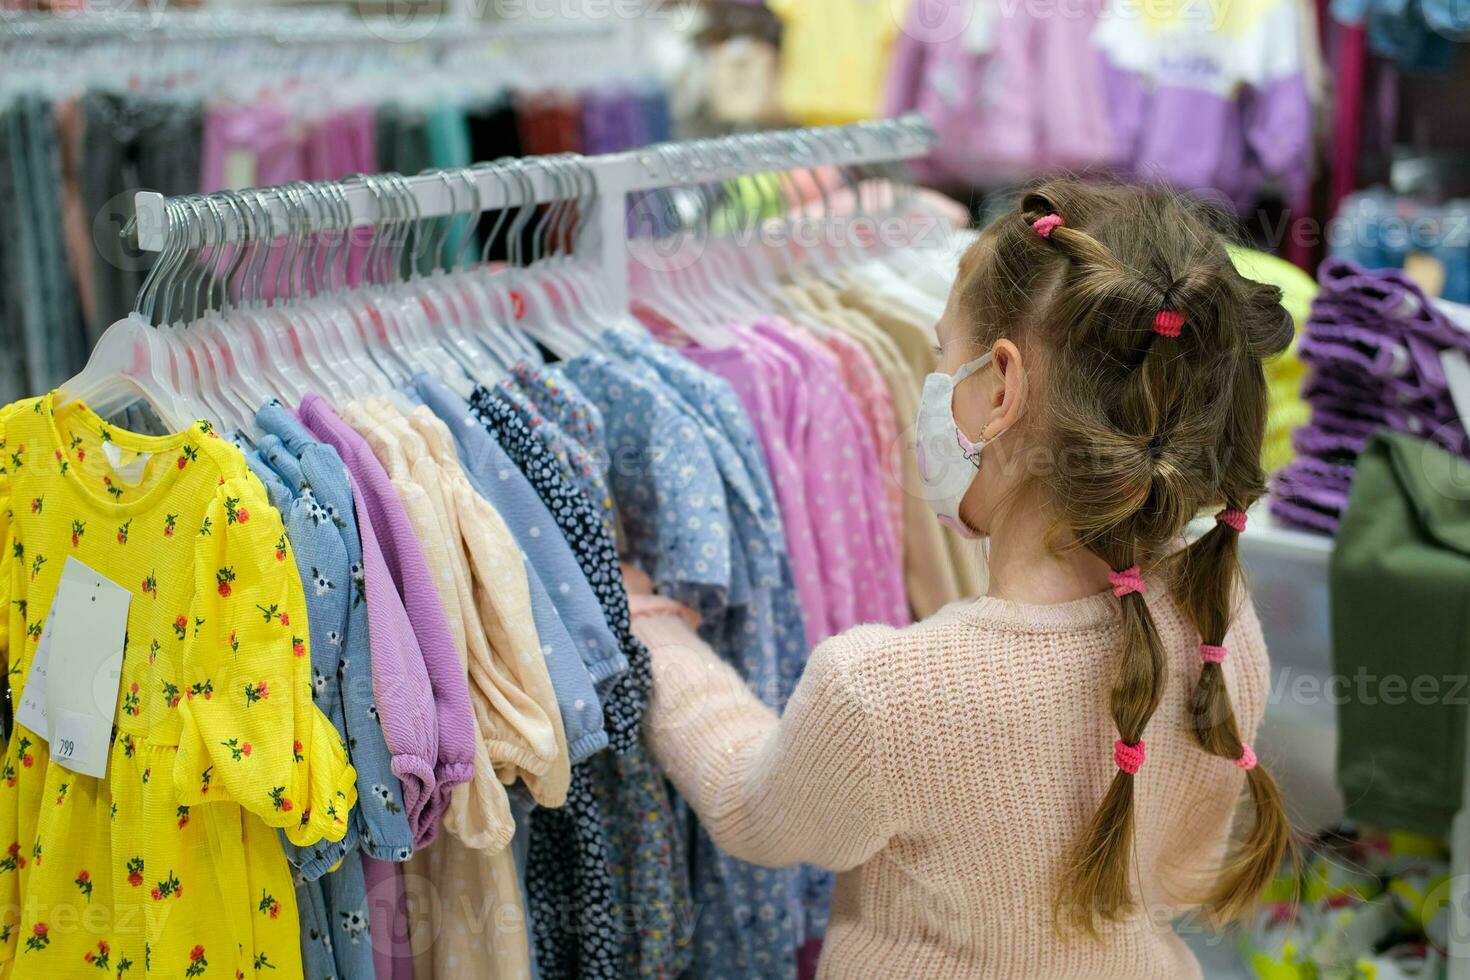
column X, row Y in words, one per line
column 451, row 722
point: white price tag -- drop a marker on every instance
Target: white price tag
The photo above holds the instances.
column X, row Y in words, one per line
column 90, row 617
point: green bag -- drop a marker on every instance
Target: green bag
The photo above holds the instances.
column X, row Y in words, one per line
column 1400, row 588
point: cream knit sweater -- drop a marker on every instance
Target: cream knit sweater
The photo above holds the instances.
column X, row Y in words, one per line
column 946, row 769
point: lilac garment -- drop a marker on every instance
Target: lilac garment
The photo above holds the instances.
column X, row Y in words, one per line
column 844, row 480
column 454, row 762
column 387, row 910
column 1198, row 140
column 612, row 122
column 401, row 688
column 766, row 402
column 991, row 115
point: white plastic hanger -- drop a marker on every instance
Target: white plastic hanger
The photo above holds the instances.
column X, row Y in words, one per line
column 130, row 360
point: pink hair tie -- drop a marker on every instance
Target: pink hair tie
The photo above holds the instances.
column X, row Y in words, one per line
column 1046, row 224
column 1211, row 654
column 1126, row 581
column 1232, row 518
column 1128, row 757
column 1168, row 323
column 1247, row 760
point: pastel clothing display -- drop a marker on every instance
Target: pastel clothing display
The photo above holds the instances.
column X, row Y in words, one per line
column 215, row 698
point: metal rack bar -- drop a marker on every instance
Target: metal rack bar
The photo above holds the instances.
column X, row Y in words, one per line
column 614, row 176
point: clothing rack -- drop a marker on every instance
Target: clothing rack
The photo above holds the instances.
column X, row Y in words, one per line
column 288, row 28
column 612, row 178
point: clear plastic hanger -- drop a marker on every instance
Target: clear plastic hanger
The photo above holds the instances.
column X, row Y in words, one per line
column 336, row 358
column 378, row 331
column 130, row 360
column 505, row 341
column 254, row 319
column 350, row 332
column 228, row 409
column 456, row 330
column 307, row 326
column 593, row 278
column 239, row 360
column 536, row 312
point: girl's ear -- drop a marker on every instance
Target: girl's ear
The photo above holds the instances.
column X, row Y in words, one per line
column 1008, row 393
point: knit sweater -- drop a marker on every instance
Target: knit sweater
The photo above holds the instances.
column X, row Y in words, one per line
column 946, row 769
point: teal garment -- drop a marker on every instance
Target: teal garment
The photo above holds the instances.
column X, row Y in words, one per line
column 1400, row 587
column 448, row 132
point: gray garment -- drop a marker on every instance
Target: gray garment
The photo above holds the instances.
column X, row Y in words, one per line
column 132, row 143
column 17, row 277
column 56, row 351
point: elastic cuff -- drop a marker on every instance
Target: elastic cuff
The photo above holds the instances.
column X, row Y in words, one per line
column 502, row 752
column 587, row 746
column 416, row 776
column 604, row 672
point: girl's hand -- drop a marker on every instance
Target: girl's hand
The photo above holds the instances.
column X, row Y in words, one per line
column 636, row 581
column 643, row 603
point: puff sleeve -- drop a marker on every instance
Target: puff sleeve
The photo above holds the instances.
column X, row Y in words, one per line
column 257, row 737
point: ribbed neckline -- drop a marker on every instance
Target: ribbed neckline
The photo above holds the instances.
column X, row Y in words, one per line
column 1089, row 612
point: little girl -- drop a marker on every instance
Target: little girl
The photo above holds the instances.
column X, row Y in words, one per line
column 1037, row 782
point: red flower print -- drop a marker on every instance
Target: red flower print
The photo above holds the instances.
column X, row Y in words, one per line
column 84, row 883
column 181, row 627
column 135, row 871
column 298, row 646
column 36, row 505
column 286, row 805
column 278, row 797
column 222, row 578
column 182, row 813
column 122, row 532
column 78, row 528
column 169, row 520
column 157, row 895
column 296, row 755
column 189, row 454
column 244, row 515
column 81, row 455
column 196, row 954
column 39, row 938
column 59, row 455
column 103, row 947
column 150, row 584
column 197, row 963
column 245, row 749
column 281, row 548
column 285, row 619
column 256, row 692
column 28, row 760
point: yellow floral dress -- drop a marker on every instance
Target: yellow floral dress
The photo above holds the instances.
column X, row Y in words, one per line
column 170, row 866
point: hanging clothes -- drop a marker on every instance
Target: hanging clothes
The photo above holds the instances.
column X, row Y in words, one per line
column 216, row 698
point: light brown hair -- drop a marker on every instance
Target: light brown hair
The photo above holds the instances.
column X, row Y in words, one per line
column 1153, row 431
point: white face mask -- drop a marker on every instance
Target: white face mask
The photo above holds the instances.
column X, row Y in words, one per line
column 948, row 460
